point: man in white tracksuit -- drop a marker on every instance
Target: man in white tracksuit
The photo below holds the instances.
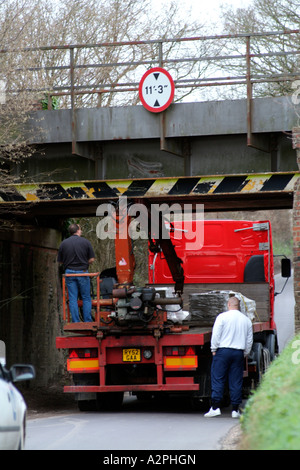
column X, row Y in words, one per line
column 231, row 341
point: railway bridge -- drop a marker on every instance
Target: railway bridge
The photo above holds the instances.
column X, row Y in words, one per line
column 227, row 154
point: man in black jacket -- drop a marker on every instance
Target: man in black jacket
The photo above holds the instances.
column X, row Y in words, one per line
column 76, row 254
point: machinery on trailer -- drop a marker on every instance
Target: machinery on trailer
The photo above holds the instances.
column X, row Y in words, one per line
column 155, row 339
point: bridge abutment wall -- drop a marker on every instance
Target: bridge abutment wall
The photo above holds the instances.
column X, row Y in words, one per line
column 296, row 233
column 31, row 310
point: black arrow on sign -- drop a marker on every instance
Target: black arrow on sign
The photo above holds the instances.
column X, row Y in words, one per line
column 156, row 75
column 156, row 104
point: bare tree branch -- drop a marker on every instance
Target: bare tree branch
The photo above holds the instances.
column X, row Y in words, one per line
column 264, row 16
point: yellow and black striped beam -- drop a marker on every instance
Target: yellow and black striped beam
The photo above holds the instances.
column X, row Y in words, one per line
column 150, row 188
column 210, row 190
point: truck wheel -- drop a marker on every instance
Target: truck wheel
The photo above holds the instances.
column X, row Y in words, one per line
column 271, row 345
column 144, row 396
column 109, row 401
column 199, row 403
column 87, row 405
column 259, row 359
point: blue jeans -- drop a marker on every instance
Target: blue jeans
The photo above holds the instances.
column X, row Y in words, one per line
column 227, row 363
column 76, row 285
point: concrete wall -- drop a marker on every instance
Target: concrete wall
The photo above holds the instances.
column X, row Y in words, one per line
column 198, row 119
column 30, row 309
column 296, row 234
column 124, row 142
column 227, row 154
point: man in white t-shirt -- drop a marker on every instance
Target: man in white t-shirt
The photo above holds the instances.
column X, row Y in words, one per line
column 231, row 341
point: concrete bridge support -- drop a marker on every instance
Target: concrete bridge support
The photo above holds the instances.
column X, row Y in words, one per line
column 296, row 233
column 30, row 317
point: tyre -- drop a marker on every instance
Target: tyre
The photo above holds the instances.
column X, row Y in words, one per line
column 271, row 345
column 199, row 403
column 259, row 359
column 109, row 401
column 87, row 405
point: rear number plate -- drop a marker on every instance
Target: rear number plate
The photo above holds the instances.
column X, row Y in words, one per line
column 131, row 355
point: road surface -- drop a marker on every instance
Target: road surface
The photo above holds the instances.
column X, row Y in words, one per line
column 149, row 425
column 138, row 426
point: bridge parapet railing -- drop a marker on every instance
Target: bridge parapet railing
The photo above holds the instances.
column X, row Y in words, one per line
column 108, row 74
column 203, row 68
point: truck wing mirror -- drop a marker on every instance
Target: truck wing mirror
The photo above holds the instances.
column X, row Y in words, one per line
column 286, row 267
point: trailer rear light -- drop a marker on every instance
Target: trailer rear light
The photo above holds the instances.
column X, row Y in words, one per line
column 83, row 365
column 180, row 358
column 180, row 362
column 190, row 351
column 179, row 351
column 83, row 353
column 72, row 353
column 83, row 360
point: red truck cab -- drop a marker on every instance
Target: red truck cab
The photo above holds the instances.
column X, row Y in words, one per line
column 235, row 255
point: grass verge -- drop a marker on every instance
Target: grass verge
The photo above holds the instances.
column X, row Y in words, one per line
column 271, row 420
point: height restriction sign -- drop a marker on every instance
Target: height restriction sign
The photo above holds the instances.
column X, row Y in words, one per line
column 156, row 90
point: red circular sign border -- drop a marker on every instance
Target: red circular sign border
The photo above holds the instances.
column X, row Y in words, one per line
column 167, row 104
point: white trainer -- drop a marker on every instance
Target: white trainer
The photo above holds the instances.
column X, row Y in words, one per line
column 235, row 414
column 212, row 413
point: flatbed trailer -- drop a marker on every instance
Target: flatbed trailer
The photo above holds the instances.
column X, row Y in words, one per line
column 149, row 355
column 110, row 351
